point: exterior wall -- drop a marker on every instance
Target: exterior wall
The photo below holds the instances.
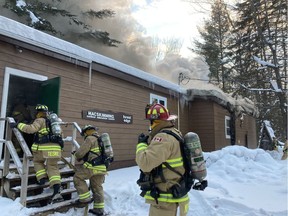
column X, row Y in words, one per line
column 201, row 121
column 104, row 93
column 219, row 122
column 246, row 132
column 207, row 119
column 111, row 90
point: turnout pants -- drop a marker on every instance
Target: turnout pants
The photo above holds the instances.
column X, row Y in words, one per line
column 169, row 209
column 96, row 181
column 51, row 169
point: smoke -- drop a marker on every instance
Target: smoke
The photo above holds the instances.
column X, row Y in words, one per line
column 135, row 50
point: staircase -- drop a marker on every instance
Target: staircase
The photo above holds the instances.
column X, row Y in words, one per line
column 18, row 180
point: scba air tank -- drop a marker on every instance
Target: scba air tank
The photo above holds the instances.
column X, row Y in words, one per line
column 107, row 145
column 193, row 148
column 55, row 126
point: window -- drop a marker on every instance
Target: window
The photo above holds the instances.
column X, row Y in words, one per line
column 227, row 127
column 158, row 99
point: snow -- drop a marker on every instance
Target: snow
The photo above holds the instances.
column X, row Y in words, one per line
column 241, row 182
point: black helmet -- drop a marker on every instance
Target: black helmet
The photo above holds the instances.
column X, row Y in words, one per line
column 41, row 108
column 87, row 127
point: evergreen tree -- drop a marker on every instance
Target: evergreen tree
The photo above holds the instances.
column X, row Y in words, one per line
column 38, row 14
column 215, row 37
column 260, row 57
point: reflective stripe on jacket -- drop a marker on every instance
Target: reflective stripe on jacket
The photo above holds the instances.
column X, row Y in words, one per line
column 162, row 148
column 90, row 145
column 39, row 126
column 166, row 197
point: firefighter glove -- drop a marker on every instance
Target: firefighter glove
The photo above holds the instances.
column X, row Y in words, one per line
column 200, row 185
column 142, row 138
column 13, row 125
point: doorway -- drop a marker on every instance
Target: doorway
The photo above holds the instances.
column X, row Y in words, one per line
column 34, row 88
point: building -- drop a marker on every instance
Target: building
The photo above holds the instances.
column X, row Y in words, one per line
column 88, row 88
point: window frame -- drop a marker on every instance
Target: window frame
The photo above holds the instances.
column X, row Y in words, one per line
column 160, row 99
column 227, row 127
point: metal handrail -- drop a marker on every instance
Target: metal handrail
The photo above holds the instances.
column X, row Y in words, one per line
column 23, row 168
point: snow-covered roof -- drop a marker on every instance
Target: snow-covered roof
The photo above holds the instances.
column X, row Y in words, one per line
column 32, row 36
column 21, row 32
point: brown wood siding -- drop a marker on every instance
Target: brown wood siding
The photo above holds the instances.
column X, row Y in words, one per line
column 246, row 132
column 202, row 122
column 104, row 93
column 120, row 92
column 219, row 119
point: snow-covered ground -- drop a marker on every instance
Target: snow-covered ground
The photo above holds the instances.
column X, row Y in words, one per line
column 241, row 182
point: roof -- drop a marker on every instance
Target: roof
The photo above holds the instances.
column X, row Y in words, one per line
column 19, row 31
column 26, row 34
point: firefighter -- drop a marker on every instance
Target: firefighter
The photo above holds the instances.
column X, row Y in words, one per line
column 163, row 147
column 93, row 169
column 45, row 151
column 21, row 113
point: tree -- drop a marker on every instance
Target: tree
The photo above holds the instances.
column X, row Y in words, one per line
column 215, row 36
column 166, row 46
column 256, row 49
column 261, row 50
column 40, row 15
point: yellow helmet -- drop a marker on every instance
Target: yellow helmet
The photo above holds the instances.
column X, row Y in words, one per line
column 41, row 108
column 87, row 127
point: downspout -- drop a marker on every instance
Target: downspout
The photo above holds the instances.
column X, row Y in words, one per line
column 90, row 73
column 179, row 112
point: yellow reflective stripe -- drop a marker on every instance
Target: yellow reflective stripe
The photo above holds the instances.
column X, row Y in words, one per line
column 162, row 110
column 167, row 198
column 84, row 195
column 177, row 162
column 49, row 148
column 34, row 147
column 95, row 150
column 101, row 168
column 20, row 126
column 40, row 172
column 98, row 205
column 54, row 178
column 44, row 131
column 141, row 146
column 154, row 112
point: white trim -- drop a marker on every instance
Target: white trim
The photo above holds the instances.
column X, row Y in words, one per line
column 158, row 97
column 8, row 73
column 228, row 136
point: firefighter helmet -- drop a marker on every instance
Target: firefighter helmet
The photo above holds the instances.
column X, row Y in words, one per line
column 41, row 108
column 87, row 127
column 159, row 112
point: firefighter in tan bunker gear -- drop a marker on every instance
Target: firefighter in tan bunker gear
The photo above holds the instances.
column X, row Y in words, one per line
column 93, row 169
column 21, row 113
column 44, row 151
column 163, row 147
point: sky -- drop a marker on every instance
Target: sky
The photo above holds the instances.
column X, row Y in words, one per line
column 167, row 18
column 241, row 182
column 136, row 24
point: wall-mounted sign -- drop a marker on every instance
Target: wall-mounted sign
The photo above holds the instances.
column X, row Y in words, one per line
column 107, row 116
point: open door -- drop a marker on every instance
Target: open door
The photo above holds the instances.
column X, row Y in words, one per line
column 50, row 93
column 35, row 88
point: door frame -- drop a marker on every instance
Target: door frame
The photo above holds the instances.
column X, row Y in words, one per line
column 15, row 72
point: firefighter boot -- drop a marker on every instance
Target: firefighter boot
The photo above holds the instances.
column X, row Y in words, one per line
column 98, row 212
column 56, row 196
